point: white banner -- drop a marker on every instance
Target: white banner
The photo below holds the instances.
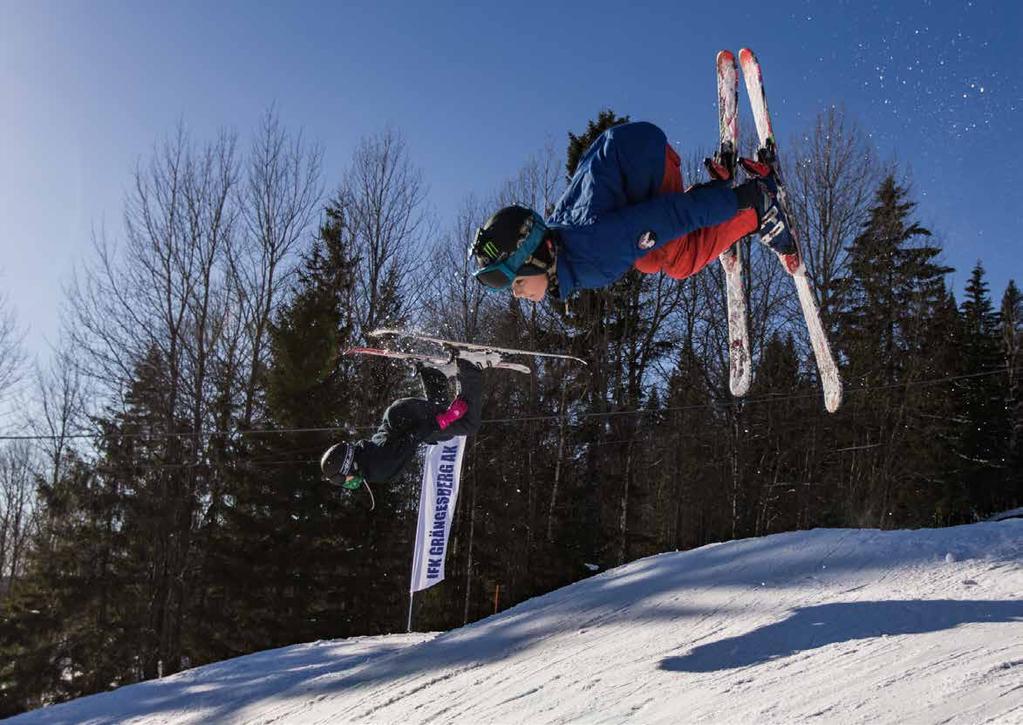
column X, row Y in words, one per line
column 442, row 467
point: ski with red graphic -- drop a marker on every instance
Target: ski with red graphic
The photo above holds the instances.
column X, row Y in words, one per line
column 722, row 167
column 793, row 263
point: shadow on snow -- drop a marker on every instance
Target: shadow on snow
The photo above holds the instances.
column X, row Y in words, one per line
column 814, row 627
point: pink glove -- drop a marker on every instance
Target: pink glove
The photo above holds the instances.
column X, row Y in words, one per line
column 456, row 411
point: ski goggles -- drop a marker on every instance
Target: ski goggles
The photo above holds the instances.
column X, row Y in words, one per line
column 501, row 271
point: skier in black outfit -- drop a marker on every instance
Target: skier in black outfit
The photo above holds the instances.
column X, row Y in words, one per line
column 407, row 424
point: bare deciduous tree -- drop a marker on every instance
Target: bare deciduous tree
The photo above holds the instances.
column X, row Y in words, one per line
column 832, row 184
column 456, row 304
column 61, row 394
column 282, row 194
column 17, row 489
column 383, row 201
column 538, row 183
column 12, row 356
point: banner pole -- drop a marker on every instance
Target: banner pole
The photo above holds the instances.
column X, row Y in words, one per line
column 410, row 595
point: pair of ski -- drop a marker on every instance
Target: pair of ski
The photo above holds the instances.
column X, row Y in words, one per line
column 739, row 357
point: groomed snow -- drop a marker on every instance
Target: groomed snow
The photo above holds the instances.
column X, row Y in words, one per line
column 828, row 625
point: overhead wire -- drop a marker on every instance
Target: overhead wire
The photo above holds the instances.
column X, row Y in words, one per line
column 491, row 421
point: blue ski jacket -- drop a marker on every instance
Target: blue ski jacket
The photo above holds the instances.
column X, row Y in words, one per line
column 612, row 213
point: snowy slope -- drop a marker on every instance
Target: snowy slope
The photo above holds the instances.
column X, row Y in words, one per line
column 834, row 625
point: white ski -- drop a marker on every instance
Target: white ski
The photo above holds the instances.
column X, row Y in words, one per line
column 470, row 346
column 793, row 263
column 739, row 358
column 482, row 359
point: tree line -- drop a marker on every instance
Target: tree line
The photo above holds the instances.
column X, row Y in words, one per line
column 170, row 512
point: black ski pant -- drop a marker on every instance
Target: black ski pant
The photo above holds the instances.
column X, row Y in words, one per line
column 405, row 426
column 410, row 422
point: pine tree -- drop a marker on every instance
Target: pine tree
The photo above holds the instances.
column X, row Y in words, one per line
column 697, row 508
column 984, row 430
column 96, row 608
column 893, row 289
column 577, row 145
column 937, row 411
column 1012, row 358
column 779, row 492
column 63, row 630
column 893, row 282
column 152, row 522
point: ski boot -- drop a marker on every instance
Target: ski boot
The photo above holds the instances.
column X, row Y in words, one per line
column 760, row 193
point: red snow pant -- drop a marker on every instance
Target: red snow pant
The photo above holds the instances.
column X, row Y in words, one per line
column 687, row 255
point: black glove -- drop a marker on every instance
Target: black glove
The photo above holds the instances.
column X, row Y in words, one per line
column 750, row 196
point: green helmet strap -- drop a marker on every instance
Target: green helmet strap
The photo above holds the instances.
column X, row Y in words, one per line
column 354, row 482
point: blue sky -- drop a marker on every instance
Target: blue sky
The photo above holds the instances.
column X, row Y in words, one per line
column 476, row 88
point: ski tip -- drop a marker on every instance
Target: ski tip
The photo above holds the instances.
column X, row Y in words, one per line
column 792, row 263
column 833, row 395
column 748, row 61
column 739, row 388
column 725, row 56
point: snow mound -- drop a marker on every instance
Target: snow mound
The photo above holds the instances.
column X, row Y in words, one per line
column 848, row 625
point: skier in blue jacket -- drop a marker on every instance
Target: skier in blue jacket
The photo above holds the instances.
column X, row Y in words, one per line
column 624, row 207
